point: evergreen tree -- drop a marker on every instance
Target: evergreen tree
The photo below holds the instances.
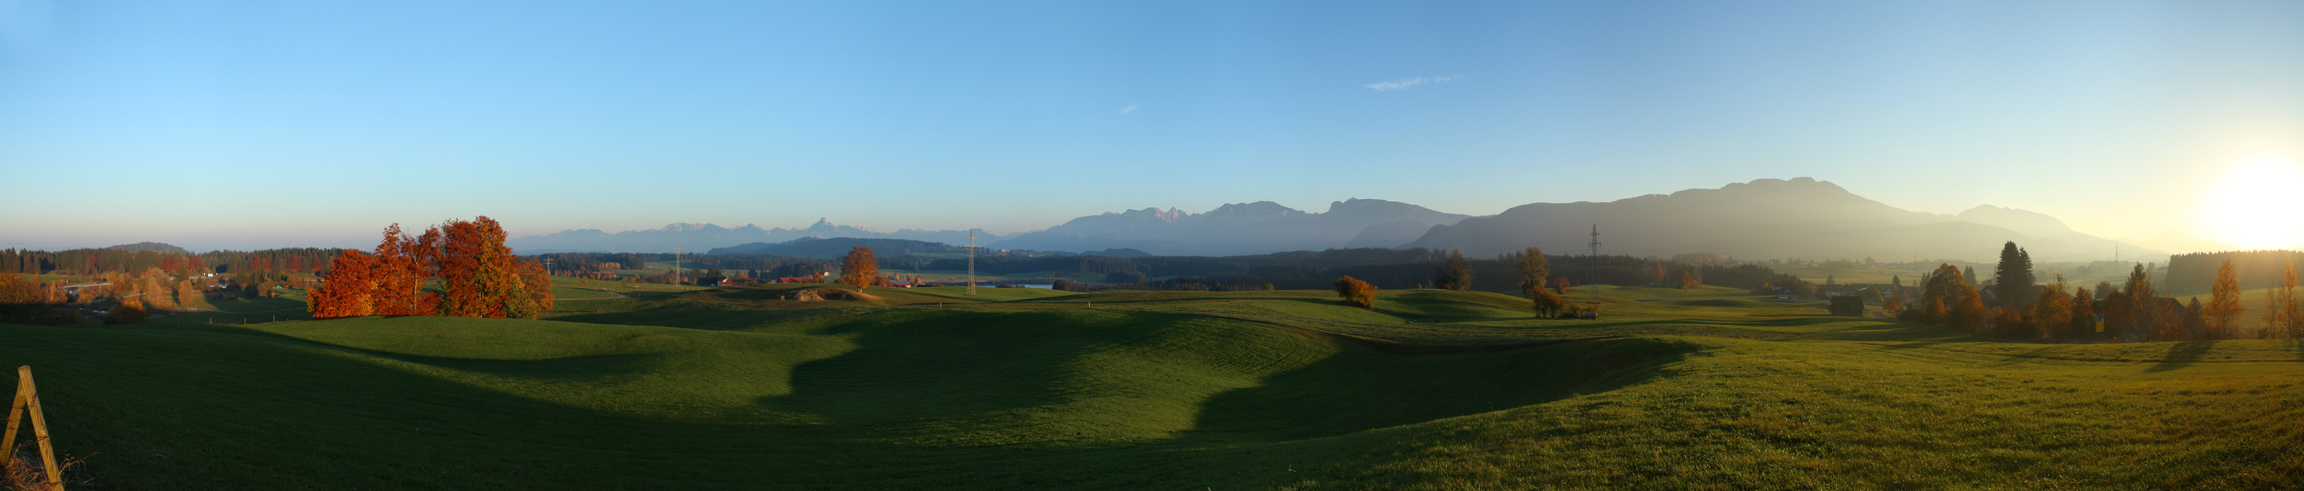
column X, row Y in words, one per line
column 2012, row 278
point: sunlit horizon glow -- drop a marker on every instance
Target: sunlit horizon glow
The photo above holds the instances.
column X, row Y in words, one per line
column 2254, row 204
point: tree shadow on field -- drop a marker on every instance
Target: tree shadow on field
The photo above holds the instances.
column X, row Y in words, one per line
column 2182, row 355
column 2027, row 357
column 561, row 368
column 1377, row 384
column 916, row 368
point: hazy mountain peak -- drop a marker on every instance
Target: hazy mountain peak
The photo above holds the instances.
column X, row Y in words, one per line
column 1256, row 209
column 1766, row 218
column 2025, row 221
column 690, row 227
column 2177, row 243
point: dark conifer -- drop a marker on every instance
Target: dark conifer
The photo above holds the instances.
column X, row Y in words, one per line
column 2013, row 280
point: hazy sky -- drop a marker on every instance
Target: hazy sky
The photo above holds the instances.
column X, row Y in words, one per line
column 261, row 124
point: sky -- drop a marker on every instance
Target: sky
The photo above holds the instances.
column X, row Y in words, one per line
column 249, row 124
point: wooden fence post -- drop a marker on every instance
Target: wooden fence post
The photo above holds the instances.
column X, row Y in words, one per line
column 28, row 401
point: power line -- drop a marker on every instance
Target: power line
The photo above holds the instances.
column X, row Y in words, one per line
column 971, row 262
column 1592, row 265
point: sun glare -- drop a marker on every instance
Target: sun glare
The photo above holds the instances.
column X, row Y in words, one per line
column 2256, row 205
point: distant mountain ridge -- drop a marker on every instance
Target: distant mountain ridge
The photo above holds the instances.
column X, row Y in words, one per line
column 150, row 246
column 1764, row 218
column 1771, row 218
column 1240, row 229
column 701, row 237
column 839, row 247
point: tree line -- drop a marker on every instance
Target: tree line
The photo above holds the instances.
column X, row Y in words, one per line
column 93, row 261
column 2257, row 269
column 2014, row 305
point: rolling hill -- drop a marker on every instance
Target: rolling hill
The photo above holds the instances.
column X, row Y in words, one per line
column 1018, row 388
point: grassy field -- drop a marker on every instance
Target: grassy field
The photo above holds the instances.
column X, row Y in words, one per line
column 1015, row 388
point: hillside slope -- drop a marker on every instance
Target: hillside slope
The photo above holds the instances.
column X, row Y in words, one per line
column 929, row 388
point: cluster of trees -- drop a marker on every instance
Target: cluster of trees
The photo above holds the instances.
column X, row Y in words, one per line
column 26, row 300
column 476, row 275
column 1535, row 271
column 2132, row 312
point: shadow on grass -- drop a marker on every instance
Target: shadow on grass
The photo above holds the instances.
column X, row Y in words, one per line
column 1360, row 388
column 914, row 366
column 2181, row 355
column 717, row 317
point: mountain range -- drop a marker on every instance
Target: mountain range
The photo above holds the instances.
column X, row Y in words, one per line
column 1765, row 218
column 1240, row 229
column 694, row 238
column 1772, row 218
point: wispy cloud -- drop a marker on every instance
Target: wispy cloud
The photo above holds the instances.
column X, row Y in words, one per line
column 1125, row 110
column 1412, row 82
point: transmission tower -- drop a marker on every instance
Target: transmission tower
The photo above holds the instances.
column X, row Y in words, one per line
column 675, row 264
column 971, row 262
column 1592, row 266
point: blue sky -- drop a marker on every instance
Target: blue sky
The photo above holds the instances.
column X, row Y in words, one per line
column 235, row 124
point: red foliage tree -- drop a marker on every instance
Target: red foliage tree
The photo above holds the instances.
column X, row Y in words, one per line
column 347, row 290
column 399, row 276
column 479, row 273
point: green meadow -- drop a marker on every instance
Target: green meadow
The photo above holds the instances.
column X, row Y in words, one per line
column 929, row 388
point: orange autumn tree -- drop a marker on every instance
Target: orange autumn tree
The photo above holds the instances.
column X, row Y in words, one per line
column 346, row 291
column 1356, row 292
column 860, row 268
column 479, row 274
column 538, row 282
column 399, row 274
